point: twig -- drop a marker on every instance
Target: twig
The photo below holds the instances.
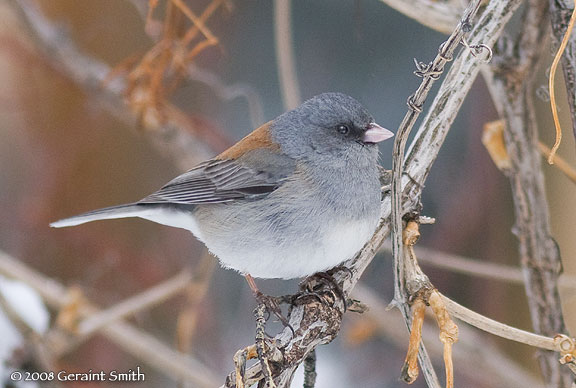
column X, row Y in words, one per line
column 131, row 306
column 195, row 294
column 430, row 73
column 185, row 147
column 139, row 344
column 448, row 333
column 477, row 268
column 198, row 22
column 228, row 92
column 560, row 13
column 560, row 163
column 497, row 328
column 410, row 369
column 481, row 363
column 551, row 88
column 285, row 58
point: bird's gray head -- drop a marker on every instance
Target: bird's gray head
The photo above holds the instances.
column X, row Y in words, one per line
column 330, row 124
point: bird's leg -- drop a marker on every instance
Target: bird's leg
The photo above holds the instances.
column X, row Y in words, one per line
column 270, row 302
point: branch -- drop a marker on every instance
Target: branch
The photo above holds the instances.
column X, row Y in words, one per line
column 181, row 138
column 140, row 345
column 430, row 73
column 285, row 59
column 510, row 80
column 131, row 306
column 437, row 15
column 471, row 358
column 561, row 164
column 497, row 328
column 476, row 267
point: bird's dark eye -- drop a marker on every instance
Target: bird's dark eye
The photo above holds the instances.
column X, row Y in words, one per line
column 343, row 129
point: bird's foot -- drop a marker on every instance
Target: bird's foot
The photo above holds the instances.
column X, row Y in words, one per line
column 324, row 287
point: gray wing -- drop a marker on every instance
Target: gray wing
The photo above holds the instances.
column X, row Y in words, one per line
column 216, row 181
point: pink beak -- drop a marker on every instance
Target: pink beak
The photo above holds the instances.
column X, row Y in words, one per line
column 376, row 134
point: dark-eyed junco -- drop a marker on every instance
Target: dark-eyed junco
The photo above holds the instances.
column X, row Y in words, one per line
column 299, row 195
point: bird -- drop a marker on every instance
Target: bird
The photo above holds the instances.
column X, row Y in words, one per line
column 297, row 196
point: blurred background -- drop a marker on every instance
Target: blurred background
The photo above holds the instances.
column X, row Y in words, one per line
column 66, row 147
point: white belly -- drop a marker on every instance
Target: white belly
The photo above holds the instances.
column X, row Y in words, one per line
column 298, row 259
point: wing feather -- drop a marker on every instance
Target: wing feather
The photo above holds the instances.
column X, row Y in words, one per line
column 218, row 181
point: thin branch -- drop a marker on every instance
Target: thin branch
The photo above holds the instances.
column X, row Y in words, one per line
column 195, row 294
column 551, row 87
column 437, row 15
column 139, row 344
column 229, row 92
column 497, row 328
column 186, row 142
column 481, row 363
column 285, row 58
column 135, row 304
column 477, row 268
column 560, row 12
column 559, row 162
column 430, row 73
column 310, row 370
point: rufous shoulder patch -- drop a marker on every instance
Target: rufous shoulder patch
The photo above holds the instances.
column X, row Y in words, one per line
column 259, row 138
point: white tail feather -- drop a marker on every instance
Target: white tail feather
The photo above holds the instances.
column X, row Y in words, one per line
column 121, row 211
column 161, row 214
